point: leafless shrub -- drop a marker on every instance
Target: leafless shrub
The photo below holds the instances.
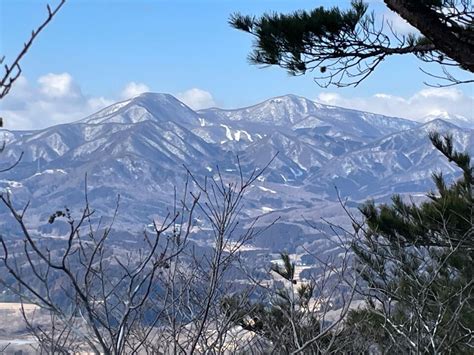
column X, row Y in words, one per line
column 93, row 296
column 164, row 297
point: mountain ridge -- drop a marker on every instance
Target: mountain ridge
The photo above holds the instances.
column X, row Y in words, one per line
column 137, row 147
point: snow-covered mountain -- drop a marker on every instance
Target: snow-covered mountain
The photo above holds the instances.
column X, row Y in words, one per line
column 138, row 148
column 458, row 120
column 295, row 112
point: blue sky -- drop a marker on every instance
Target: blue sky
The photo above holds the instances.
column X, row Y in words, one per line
column 98, row 52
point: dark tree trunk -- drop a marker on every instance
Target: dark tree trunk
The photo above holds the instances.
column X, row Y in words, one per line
column 454, row 41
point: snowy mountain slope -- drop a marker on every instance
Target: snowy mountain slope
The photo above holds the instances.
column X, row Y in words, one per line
column 400, row 162
column 147, row 106
column 137, row 148
column 297, row 112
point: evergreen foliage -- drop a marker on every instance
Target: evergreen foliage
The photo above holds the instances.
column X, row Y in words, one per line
column 347, row 45
column 417, row 264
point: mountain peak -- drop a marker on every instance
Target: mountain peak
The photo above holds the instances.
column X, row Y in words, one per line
column 281, row 111
column 146, row 106
column 438, row 124
column 291, row 100
column 458, row 120
column 153, row 97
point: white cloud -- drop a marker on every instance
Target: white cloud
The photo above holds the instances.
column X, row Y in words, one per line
column 426, row 102
column 52, row 99
column 58, row 86
column 329, row 98
column 196, row 98
column 133, row 89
